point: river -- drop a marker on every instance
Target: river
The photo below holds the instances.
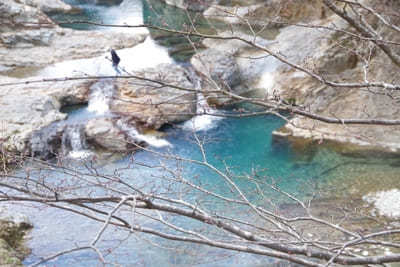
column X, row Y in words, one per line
column 244, row 144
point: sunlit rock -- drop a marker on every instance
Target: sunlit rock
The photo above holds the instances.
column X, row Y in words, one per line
column 50, row 6
column 150, row 101
column 103, row 132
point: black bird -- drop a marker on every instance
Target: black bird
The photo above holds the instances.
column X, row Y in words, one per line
column 115, row 58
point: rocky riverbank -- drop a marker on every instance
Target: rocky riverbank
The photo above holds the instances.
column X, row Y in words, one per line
column 329, row 53
column 29, row 42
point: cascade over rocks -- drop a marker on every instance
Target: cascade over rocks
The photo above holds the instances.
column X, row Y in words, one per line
column 219, row 71
column 30, row 107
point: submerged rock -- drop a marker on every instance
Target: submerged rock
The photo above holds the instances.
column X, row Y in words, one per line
column 151, row 102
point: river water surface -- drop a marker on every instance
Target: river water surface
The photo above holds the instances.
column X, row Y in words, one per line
column 244, row 144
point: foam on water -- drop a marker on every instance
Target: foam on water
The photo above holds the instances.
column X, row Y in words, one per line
column 152, row 140
column 74, row 142
column 80, row 154
column 202, row 122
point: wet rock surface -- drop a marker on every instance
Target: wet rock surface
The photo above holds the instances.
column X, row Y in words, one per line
column 229, row 64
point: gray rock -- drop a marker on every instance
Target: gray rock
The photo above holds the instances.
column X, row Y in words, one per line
column 219, row 71
column 267, row 13
column 103, row 132
column 61, row 45
column 27, row 38
column 193, row 5
column 150, row 103
column 15, row 15
column 49, row 6
column 31, row 107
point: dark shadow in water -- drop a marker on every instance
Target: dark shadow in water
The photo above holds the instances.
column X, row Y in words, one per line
column 181, row 48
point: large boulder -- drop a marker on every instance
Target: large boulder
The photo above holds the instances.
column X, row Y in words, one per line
column 150, row 101
column 105, row 133
column 29, row 40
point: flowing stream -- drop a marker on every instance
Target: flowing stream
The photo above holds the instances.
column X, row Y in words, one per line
column 246, row 144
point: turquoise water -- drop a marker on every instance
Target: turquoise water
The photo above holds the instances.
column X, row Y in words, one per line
column 243, row 144
column 236, row 146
